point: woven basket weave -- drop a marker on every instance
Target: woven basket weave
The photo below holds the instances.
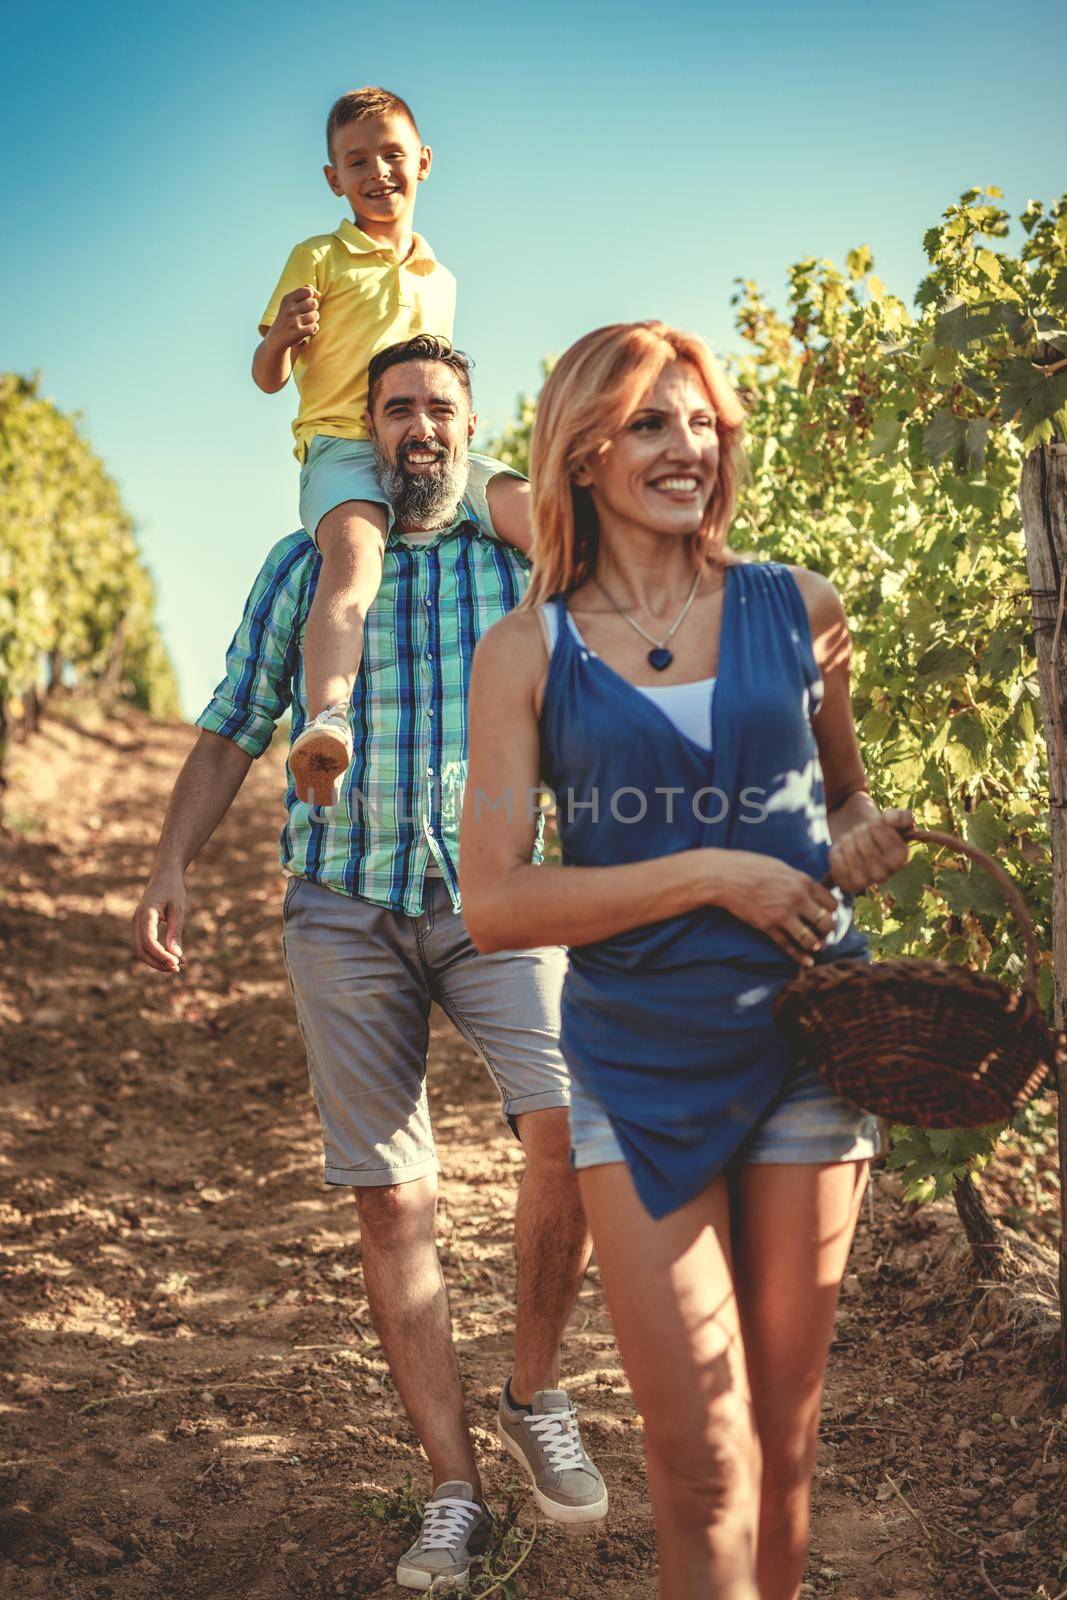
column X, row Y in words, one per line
column 922, row 1042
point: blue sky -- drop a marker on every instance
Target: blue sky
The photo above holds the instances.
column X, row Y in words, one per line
column 593, row 162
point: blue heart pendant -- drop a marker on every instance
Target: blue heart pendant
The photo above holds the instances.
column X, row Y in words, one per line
column 660, row 658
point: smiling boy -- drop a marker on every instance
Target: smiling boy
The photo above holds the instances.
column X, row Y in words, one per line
column 341, row 298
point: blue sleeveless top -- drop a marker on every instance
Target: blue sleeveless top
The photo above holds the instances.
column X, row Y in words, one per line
column 669, row 1025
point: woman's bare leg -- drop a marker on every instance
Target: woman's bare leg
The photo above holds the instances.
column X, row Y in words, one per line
column 792, row 1232
column 670, row 1292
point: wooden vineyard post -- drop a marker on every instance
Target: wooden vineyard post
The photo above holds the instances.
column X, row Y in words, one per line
column 1043, row 497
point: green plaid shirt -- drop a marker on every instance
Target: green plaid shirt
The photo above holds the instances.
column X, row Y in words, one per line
column 400, row 807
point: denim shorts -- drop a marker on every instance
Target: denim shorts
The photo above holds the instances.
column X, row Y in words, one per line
column 336, row 470
column 364, row 978
column 808, row 1126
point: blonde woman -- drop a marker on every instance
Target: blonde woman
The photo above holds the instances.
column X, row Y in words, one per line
column 691, row 712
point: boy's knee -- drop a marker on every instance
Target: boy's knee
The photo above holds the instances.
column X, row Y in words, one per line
column 352, row 529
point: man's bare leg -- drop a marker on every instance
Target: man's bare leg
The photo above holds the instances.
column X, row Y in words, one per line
column 552, row 1249
column 409, row 1307
column 409, row 1302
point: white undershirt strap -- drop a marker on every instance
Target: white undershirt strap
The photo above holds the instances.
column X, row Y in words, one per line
column 687, row 705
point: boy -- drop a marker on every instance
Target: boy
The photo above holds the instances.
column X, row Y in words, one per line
column 341, row 298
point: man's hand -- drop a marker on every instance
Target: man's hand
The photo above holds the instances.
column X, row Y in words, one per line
column 214, row 770
column 297, row 320
column 871, row 853
column 157, row 924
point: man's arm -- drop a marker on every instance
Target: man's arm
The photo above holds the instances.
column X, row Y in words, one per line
column 236, row 725
column 206, row 788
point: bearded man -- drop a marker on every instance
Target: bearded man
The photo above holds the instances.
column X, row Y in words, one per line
column 373, row 934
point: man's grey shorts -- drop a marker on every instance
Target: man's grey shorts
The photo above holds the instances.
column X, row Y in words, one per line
column 363, row 979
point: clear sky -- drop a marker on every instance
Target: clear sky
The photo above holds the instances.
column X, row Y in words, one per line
column 593, row 162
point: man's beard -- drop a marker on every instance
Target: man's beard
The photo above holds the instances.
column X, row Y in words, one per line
column 422, row 500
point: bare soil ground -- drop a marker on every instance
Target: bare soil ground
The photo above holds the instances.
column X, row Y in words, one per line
column 194, row 1405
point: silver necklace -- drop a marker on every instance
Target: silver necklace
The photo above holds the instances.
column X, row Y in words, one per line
column 659, row 656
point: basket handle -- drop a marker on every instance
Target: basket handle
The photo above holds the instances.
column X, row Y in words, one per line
column 1002, row 881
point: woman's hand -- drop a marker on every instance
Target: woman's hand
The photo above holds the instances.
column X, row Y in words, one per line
column 871, row 852
column 786, row 905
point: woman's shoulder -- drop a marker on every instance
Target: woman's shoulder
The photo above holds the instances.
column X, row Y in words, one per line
column 511, row 666
column 516, row 639
column 819, row 595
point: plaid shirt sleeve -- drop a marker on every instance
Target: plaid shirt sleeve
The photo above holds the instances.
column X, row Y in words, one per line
column 264, row 653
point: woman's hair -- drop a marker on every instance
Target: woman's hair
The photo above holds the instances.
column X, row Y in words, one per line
column 586, row 400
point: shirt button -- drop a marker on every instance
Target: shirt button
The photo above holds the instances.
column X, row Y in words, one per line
column 429, row 772
column 429, row 711
column 429, row 655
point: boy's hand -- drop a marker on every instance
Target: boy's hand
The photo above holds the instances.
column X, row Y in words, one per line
column 298, row 318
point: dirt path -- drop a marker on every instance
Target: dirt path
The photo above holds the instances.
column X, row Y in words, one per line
column 194, row 1405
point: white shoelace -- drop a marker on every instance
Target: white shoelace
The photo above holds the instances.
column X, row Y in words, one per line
column 333, row 716
column 557, row 1433
column 446, row 1522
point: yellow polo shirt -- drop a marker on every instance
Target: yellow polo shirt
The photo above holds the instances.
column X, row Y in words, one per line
column 369, row 299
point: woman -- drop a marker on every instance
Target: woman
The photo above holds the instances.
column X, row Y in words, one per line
column 705, row 787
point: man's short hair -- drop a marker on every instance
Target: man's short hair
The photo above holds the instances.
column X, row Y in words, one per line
column 423, row 347
column 358, row 104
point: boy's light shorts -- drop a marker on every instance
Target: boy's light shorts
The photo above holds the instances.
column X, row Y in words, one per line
column 336, row 470
column 364, row 977
column 808, row 1126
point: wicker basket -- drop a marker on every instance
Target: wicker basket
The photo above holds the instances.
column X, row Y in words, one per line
column 922, row 1042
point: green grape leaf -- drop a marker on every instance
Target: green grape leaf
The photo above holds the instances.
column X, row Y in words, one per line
column 885, row 436
column 971, row 891
column 943, row 436
column 859, row 261
column 944, row 662
column 905, row 888
column 986, row 828
column 965, row 325
column 1030, row 395
column 1002, row 657
column 975, row 440
column 1051, row 330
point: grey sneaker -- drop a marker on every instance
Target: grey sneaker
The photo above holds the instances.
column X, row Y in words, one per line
column 455, row 1527
column 546, row 1441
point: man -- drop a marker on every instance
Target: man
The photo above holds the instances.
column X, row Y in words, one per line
column 372, row 934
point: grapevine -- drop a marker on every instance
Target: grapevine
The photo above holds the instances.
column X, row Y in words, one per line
column 77, row 602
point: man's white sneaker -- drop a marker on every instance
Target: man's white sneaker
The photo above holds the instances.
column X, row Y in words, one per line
column 454, row 1529
column 320, row 757
column 545, row 1440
